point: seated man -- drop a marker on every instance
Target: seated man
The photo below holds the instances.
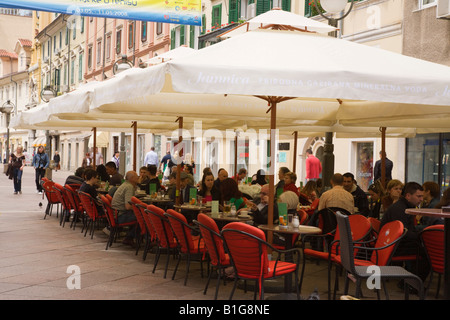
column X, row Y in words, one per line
column 90, row 186
column 359, row 196
column 77, row 178
column 116, row 178
column 337, row 196
column 152, row 171
column 260, row 209
column 412, row 196
column 121, row 202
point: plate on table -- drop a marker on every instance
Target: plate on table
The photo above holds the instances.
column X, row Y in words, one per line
column 243, row 216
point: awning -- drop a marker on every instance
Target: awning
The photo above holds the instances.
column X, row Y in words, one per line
column 102, row 140
column 40, row 141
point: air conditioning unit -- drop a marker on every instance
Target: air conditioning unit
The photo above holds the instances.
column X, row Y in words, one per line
column 443, row 9
column 251, row 11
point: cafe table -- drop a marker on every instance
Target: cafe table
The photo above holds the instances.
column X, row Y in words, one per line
column 222, row 219
column 439, row 213
column 288, row 232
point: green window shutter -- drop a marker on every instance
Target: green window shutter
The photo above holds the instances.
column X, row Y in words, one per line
column 67, row 36
column 234, row 6
column 191, row 37
column 182, row 35
column 203, row 23
column 172, row 39
column 80, row 67
column 72, row 72
column 263, row 6
column 286, row 5
column 216, row 16
column 74, row 30
column 307, row 9
column 82, row 25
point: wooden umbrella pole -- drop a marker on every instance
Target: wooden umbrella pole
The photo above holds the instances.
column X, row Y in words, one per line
column 180, row 140
column 94, row 146
column 295, row 150
column 134, row 126
column 235, row 157
column 383, row 157
column 273, row 126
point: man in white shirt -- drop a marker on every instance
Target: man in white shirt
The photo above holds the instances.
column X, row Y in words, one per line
column 151, row 158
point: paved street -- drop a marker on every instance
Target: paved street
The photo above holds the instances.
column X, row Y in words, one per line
column 35, row 255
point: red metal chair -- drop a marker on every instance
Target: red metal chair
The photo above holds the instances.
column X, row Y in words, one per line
column 75, row 203
column 93, row 215
column 52, row 198
column 166, row 240
column 192, row 247
column 387, row 241
column 433, row 240
column 150, row 236
column 114, row 226
column 248, row 251
column 140, row 220
column 215, row 247
column 361, row 229
column 379, row 255
column 65, row 203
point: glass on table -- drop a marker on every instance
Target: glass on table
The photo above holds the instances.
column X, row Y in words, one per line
column 226, row 207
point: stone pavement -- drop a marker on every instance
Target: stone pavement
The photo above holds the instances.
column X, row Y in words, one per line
column 36, row 256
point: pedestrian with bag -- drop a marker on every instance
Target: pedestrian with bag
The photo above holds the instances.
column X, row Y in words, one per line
column 40, row 163
column 17, row 161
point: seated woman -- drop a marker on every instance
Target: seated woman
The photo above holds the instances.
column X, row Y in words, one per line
column 230, row 192
column 208, row 190
column 102, row 173
column 289, row 183
column 309, row 192
column 376, row 194
column 394, row 190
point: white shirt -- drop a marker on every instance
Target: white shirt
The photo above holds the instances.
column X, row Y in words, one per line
column 151, row 158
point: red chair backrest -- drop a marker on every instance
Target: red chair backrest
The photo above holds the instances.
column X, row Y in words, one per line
column 62, row 196
column 302, row 216
column 213, row 240
column 137, row 213
column 391, row 231
column 161, row 226
column 249, row 255
column 88, row 204
column 148, row 223
column 50, row 193
column 433, row 240
column 110, row 214
column 182, row 232
column 73, row 198
column 375, row 224
column 109, row 197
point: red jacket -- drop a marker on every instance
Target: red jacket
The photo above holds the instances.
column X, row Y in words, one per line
column 313, row 167
column 291, row 187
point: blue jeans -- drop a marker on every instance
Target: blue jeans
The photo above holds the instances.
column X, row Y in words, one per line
column 128, row 216
column 17, row 179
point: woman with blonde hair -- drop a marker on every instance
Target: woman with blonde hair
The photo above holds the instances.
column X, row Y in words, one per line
column 17, row 161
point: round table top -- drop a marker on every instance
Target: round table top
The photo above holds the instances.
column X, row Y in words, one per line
column 222, row 217
column 428, row 212
column 302, row 229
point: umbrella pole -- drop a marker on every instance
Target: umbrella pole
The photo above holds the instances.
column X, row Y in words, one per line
column 178, row 184
column 383, row 157
column 295, row 151
column 235, row 157
column 273, row 126
column 134, row 126
column 94, row 146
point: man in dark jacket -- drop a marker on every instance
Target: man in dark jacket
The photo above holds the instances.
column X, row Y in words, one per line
column 409, row 245
column 377, row 169
column 359, row 196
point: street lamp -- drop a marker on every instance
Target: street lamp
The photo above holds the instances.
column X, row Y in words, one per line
column 7, row 108
column 332, row 7
column 48, row 93
column 122, row 65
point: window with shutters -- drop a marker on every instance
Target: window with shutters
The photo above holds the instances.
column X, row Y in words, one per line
column 119, row 41
column 130, row 35
column 172, row 39
column 234, row 11
column 216, row 16
column 192, row 37
column 182, row 35
column 80, row 67
column 144, row 31
column 203, row 23
column 262, row 6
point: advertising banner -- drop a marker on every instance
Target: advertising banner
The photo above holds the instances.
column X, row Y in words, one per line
column 186, row 12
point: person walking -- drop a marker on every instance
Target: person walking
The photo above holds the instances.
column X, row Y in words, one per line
column 151, row 158
column 40, row 163
column 17, row 161
column 57, row 160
